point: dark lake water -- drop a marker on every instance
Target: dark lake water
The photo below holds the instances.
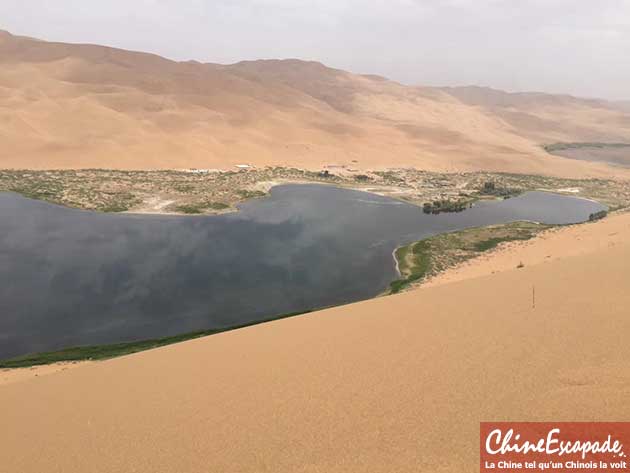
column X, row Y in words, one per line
column 70, row 277
column 614, row 155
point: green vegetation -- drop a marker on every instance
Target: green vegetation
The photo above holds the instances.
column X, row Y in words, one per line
column 51, row 186
column 550, row 148
column 466, row 200
column 325, row 174
column 119, row 202
column 414, row 262
column 445, row 205
column 102, row 352
column 490, row 188
column 189, row 192
column 184, row 188
column 614, row 194
column 492, row 243
column 245, row 194
column 200, row 207
column 433, row 255
column 218, row 206
column 597, row 215
column 190, row 209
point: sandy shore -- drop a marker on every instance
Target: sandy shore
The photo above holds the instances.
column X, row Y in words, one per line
column 554, row 244
column 392, row 384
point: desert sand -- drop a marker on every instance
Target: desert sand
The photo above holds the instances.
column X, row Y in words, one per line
column 89, row 106
column 549, row 246
column 392, row 384
column 398, row 383
column 16, row 375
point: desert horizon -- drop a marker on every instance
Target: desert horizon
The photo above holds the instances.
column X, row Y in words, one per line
column 272, row 113
column 619, row 101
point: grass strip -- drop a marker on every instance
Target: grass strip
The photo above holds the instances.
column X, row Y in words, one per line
column 564, row 146
column 103, row 352
column 431, row 256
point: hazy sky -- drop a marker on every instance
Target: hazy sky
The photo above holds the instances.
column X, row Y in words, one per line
column 580, row 47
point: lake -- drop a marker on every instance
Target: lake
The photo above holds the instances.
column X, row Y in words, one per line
column 614, row 155
column 72, row 277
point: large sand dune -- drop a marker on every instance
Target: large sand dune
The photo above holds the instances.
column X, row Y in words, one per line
column 87, row 106
column 394, row 384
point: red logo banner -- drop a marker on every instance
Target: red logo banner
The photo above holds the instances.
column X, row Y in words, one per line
column 554, row 446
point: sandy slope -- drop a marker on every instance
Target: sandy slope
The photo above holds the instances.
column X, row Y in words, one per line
column 17, row 375
column 549, row 246
column 393, row 384
column 81, row 106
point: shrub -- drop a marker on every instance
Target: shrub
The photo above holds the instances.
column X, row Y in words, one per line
column 439, row 206
column 218, row 206
column 597, row 215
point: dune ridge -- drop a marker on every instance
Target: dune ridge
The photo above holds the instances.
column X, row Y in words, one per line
column 89, row 106
column 533, row 331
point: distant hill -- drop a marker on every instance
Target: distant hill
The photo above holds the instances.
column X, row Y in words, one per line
column 551, row 118
column 77, row 106
column 624, row 105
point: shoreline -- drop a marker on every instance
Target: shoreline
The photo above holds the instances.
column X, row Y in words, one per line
column 396, row 262
column 436, row 256
column 267, row 187
column 443, row 348
column 177, row 193
column 545, row 247
column 91, row 353
column 78, row 354
column 550, row 245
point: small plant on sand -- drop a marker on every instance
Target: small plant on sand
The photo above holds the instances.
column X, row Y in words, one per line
column 247, row 194
column 190, row 209
column 597, row 215
column 218, row 206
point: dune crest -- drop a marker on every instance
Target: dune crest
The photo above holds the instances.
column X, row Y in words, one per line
column 88, row 106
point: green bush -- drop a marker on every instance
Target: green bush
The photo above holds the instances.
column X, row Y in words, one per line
column 597, row 215
column 445, row 205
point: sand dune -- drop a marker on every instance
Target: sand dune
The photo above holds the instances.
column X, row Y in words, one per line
column 82, row 106
column 393, row 384
column 545, row 248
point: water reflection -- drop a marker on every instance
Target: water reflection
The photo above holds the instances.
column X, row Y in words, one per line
column 74, row 278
